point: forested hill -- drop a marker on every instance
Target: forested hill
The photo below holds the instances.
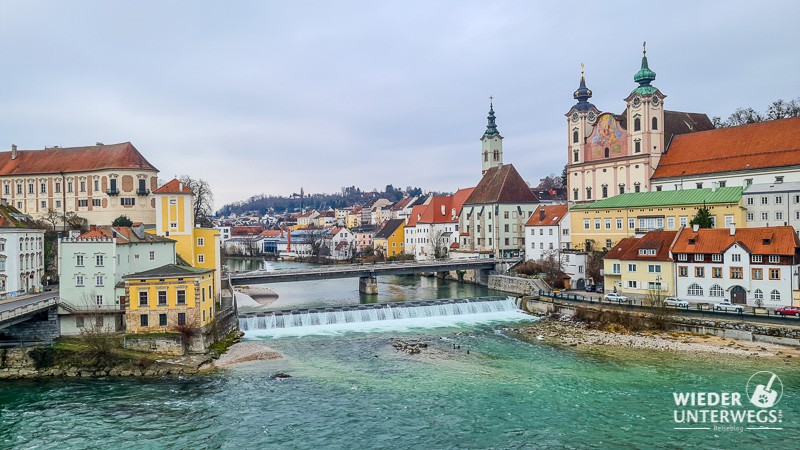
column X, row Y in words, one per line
column 349, row 196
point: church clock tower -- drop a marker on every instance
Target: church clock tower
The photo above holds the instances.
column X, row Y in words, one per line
column 491, row 143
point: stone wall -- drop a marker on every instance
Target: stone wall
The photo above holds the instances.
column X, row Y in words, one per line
column 43, row 326
column 15, row 357
column 168, row 345
column 515, row 285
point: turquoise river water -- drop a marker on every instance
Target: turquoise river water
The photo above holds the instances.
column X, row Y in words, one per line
column 352, row 389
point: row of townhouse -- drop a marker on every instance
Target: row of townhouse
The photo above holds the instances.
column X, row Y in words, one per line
column 21, row 253
column 753, row 266
column 432, row 230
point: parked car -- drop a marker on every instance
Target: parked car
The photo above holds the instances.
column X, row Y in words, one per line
column 728, row 306
column 614, row 297
column 788, row 311
column 599, row 288
column 672, row 301
column 590, row 288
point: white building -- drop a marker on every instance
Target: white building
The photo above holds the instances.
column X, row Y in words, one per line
column 772, row 204
column 746, row 266
column 91, row 268
column 758, row 153
column 435, row 226
column 340, row 243
column 21, row 254
column 547, row 233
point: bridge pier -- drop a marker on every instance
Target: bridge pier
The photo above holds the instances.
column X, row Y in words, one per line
column 368, row 285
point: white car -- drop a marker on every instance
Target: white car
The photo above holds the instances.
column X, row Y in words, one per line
column 672, row 301
column 614, row 297
column 728, row 306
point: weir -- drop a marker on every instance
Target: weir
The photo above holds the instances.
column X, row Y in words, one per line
column 374, row 313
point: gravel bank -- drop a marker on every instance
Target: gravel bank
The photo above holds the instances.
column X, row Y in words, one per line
column 564, row 331
column 244, row 352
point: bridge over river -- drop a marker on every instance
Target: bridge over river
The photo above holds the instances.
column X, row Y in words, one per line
column 366, row 273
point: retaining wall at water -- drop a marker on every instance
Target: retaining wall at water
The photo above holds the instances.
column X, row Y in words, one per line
column 784, row 335
column 167, row 345
column 516, row 285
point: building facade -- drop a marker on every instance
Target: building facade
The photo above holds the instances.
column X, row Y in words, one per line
column 641, row 268
column 773, row 204
column 610, row 154
column 98, row 183
column 21, row 253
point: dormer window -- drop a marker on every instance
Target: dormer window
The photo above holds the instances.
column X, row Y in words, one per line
column 682, row 257
column 698, row 257
column 647, row 252
column 766, row 241
column 692, row 241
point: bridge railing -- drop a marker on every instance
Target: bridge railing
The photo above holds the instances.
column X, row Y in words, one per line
column 28, row 308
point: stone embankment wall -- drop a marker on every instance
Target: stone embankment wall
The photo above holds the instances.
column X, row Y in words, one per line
column 166, row 345
column 516, row 285
column 774, row 334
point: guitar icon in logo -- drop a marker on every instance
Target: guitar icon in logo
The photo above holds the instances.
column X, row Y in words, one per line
column 765, row 396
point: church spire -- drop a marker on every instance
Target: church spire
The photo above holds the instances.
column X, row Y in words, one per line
column 645, row 76
column 582, row 95
column 491, row 127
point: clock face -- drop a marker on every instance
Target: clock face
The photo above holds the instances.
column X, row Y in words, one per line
column 591, row 116
column 637, row 101
column 655, row 100
column 574, row 117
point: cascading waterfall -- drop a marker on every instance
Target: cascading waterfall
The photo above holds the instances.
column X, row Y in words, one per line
column 374, row 313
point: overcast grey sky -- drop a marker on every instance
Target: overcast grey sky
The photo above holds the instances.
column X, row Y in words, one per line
column 266, row 97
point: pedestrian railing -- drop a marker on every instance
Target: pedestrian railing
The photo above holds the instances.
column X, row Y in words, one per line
column 638, row 303
column 28, row 308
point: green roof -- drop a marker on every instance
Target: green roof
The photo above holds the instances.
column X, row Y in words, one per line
column 645, row 90
column 667, row 198
column 169, row 271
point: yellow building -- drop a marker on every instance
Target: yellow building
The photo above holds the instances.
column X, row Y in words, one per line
column 636, row 267
column 604, row 223
column 167, row 297
column 199, row 247
column 389, row 240
column 353, row 217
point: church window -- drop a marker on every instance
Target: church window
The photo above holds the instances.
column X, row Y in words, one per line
column 608, row 153
column 496, row 155
column 655, row 123
column 575, row 155
column 637, row 146
column 637, row 124
column 605, row 190
column 575, row 194
column 575, row 136
column 588, row 193
column 486, row 156
column 637, row 187
column 622, row 188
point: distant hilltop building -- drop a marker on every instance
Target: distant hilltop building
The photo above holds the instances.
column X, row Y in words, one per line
column 99, row 182
column 611, row 154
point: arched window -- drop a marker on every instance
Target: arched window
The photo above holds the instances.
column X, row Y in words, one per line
column 575, row 155
column 622, row 188
column 608, row 153
column 605, row 190
column 637, row 124
column 637, row 146
column 575, row 136
column 588, row 193
column 695, row 289
column 758, row 295
column 486, row 155
column 716, row 291
column 575, row 193
column 775, row 295
column 497, row 155
column 655, row 123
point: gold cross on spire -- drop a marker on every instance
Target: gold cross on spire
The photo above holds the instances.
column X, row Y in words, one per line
column 491, row 99
column 644, row 48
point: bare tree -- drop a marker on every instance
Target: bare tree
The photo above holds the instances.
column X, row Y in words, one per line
column 437, row 243
column 76, row 222
column 315, row 238
column 552, row 264
column 203, row 199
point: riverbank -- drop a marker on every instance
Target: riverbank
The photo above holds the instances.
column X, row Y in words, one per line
column 242, row 352
column 566, row 331
column 256, row 296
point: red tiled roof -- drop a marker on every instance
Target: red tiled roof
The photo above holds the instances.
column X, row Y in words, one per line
column 677, row 122
column 247, row 231
column 270, row 233
column 501, row 184
column 416, row 213
column 755, row 146
column 340, row 245
column 454, row 245
column 74, row 159
column 552, row 215
column 402, row 203
column 782, row 240
column 658, row 240
column 173, row 187
column 622, row 247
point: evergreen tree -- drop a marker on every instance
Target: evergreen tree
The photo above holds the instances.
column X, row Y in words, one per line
column 122, row 221
column 702, row 218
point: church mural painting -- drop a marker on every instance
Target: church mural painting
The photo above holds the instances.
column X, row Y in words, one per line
column 607, row 134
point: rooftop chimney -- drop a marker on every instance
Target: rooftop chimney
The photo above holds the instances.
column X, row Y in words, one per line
column 696, row 227
column 13, row 152
column 541, row 214
column 180, row 187
column 733, row 229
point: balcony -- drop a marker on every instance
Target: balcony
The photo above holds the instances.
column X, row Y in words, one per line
column 112, row 191
column 648, row 229
column 143, row 192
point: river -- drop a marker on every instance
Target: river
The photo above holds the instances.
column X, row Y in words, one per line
column 354, row 390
